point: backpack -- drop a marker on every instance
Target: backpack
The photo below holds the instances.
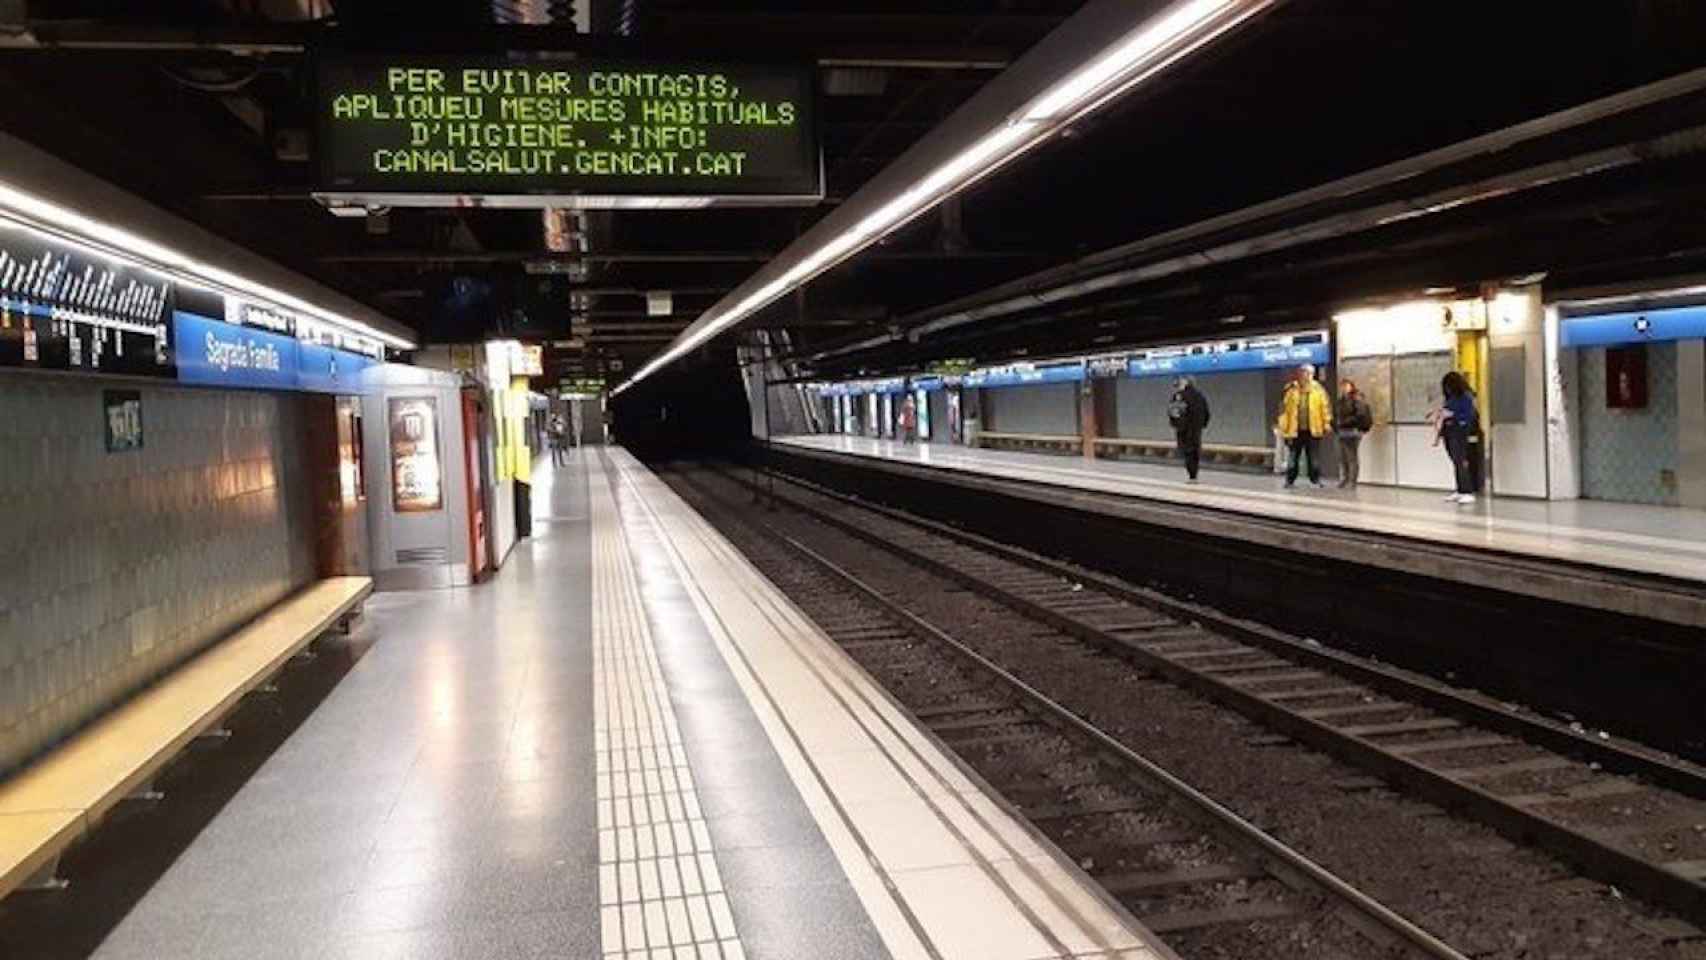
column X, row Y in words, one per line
column 1177, row 409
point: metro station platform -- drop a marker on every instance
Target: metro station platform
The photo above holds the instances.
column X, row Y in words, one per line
column 628, row 745
column 1647, row 561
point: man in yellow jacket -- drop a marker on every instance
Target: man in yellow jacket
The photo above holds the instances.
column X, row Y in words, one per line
column 1305, row 417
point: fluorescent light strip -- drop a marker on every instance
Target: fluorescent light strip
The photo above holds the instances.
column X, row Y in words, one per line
column 1137, row 56
column 121, row 244
column 1129, row 55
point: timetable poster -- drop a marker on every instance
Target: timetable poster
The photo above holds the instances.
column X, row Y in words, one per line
column 63, row 307
column 415, row 467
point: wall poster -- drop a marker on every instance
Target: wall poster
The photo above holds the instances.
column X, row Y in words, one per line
column 415, row 469
column 1626, row 377
column 1373, row 376
column 1415, row 384
column 124, row 420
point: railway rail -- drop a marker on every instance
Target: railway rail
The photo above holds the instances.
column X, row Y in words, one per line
column 1183, row 863
column 1631, row 817
column 1535, row 780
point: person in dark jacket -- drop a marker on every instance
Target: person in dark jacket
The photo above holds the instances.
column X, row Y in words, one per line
column 1188, row 412
column 1460, row 428
column 1355, row 418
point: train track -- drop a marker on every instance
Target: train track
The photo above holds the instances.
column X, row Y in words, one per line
column 1183, row 863
column 1618, row 813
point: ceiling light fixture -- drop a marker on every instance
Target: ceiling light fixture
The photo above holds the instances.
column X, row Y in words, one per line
column 121, row 244
column 1137, row 55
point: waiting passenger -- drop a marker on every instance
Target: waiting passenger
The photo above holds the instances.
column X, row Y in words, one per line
column 1460, row 428
column 908, row 420
column 1355, row 418
column 1305, row 417
column 1188, row 413
column 559, row 440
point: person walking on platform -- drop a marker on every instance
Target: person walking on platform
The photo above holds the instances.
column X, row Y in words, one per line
column 1460, row 428
column 1305, row 417
column 1188, row 413
column 1355, row 418
column 559, row 440
column 908, row 420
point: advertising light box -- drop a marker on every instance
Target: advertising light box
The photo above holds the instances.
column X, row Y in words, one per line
column 416, row 473
column 413, row 130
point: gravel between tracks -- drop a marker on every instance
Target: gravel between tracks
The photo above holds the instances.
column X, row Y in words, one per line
column 1456, row 878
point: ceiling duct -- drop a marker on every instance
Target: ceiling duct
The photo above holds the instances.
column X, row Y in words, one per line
column 854, row 82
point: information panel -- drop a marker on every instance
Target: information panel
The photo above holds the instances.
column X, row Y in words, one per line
column 65, row 308
column 414, row 127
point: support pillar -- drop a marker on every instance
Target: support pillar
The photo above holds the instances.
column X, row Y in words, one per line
column 1691, row 423
column 1088, row 423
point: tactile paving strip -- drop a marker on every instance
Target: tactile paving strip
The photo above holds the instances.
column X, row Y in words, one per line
column 660, row 894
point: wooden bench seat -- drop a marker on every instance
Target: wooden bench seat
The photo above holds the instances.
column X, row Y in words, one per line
column 1221, row 452
column 60, row 797
column 1070, row 443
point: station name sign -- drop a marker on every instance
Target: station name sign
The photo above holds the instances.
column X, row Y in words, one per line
column 214, row 353
column 419, row 130
column 1227, row 356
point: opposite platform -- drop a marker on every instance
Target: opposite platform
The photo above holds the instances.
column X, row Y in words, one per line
column 1537, row 547
column 627, row 745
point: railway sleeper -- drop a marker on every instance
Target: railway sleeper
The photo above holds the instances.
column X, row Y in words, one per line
column 1178, row 921
column 1143, row 883
column 1307, row 693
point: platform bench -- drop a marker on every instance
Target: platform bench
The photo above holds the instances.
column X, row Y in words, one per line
column 1054, row 443
column 1228, row 453
column 60, row 797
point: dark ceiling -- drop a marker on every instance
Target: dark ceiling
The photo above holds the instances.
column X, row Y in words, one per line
column 200, row 109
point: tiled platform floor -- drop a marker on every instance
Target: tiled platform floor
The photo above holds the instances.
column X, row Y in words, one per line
column 627, row 745
column 1666, row 541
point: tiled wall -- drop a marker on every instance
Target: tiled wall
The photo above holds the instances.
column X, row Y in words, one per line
column 1043, row 408
column 115, row 567
column 1238, row 406
column 1627, row 454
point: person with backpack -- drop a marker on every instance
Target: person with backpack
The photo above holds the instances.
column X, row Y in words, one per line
column 1188, row 413
column 1355, row 418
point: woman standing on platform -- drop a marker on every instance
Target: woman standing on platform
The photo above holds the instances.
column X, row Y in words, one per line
column 1355, row 419
column 908, row 420
column 1460, row 428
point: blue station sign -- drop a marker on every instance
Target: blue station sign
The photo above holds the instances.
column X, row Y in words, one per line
column 1634, row 326
column 217, row 354
column 1227, row 358
column 1024, row 374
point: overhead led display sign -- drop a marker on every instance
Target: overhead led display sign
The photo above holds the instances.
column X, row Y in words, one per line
column 432, row 131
